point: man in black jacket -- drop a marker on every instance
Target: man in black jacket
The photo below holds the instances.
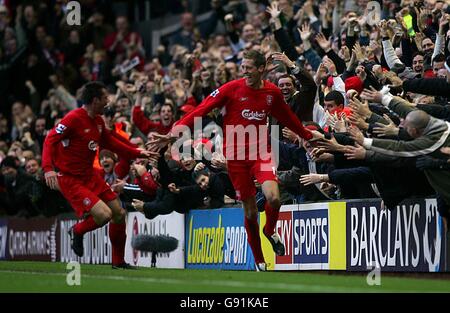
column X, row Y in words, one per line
column 300, row 100
column 208, row 192
column 19, row 189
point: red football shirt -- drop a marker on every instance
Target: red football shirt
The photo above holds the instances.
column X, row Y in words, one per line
column 71, row 146
column 243, row 106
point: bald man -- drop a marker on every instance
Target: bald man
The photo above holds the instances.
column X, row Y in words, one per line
column 429, row 135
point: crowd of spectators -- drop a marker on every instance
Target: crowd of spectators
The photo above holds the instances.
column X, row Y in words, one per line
column 376, row 84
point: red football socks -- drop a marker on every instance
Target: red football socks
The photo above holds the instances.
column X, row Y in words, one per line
column 85, row 226
column 271, row 219
column 252, row 228
column 118, row 238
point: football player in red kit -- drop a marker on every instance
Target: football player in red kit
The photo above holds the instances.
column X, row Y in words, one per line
column 67, row 160
column 246, row 103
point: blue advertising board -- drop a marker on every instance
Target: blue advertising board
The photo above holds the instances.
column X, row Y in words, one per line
column 311, row 234
column 314, row 237
column 216, row 239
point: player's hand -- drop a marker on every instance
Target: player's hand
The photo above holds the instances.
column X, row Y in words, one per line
column 160, row 141
column 138, row 205
column 290, row 135
column 51, row 179
column 316, row 136
column 148, row 154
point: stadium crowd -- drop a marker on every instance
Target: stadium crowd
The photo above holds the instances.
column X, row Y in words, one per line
column 378, row 91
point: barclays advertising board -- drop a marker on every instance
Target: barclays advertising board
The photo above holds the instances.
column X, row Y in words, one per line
column 408, row 238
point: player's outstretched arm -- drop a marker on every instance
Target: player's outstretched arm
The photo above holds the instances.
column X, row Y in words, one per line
column 126, row 151
column 160, row 141
column 216, row 99
column 152, row 155
column 316, row 135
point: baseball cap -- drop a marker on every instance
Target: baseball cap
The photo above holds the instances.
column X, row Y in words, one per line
column 355, row 83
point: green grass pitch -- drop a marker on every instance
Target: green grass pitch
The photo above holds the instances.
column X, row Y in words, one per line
column 51, row 277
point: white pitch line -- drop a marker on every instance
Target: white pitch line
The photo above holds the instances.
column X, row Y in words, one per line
column 220, row 283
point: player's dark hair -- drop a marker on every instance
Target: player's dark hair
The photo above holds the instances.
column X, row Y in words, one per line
column 91, row 91
column 258, row 58
column 335, row 96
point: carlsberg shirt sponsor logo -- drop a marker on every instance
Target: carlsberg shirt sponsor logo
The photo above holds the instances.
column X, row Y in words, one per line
column 253, row 115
